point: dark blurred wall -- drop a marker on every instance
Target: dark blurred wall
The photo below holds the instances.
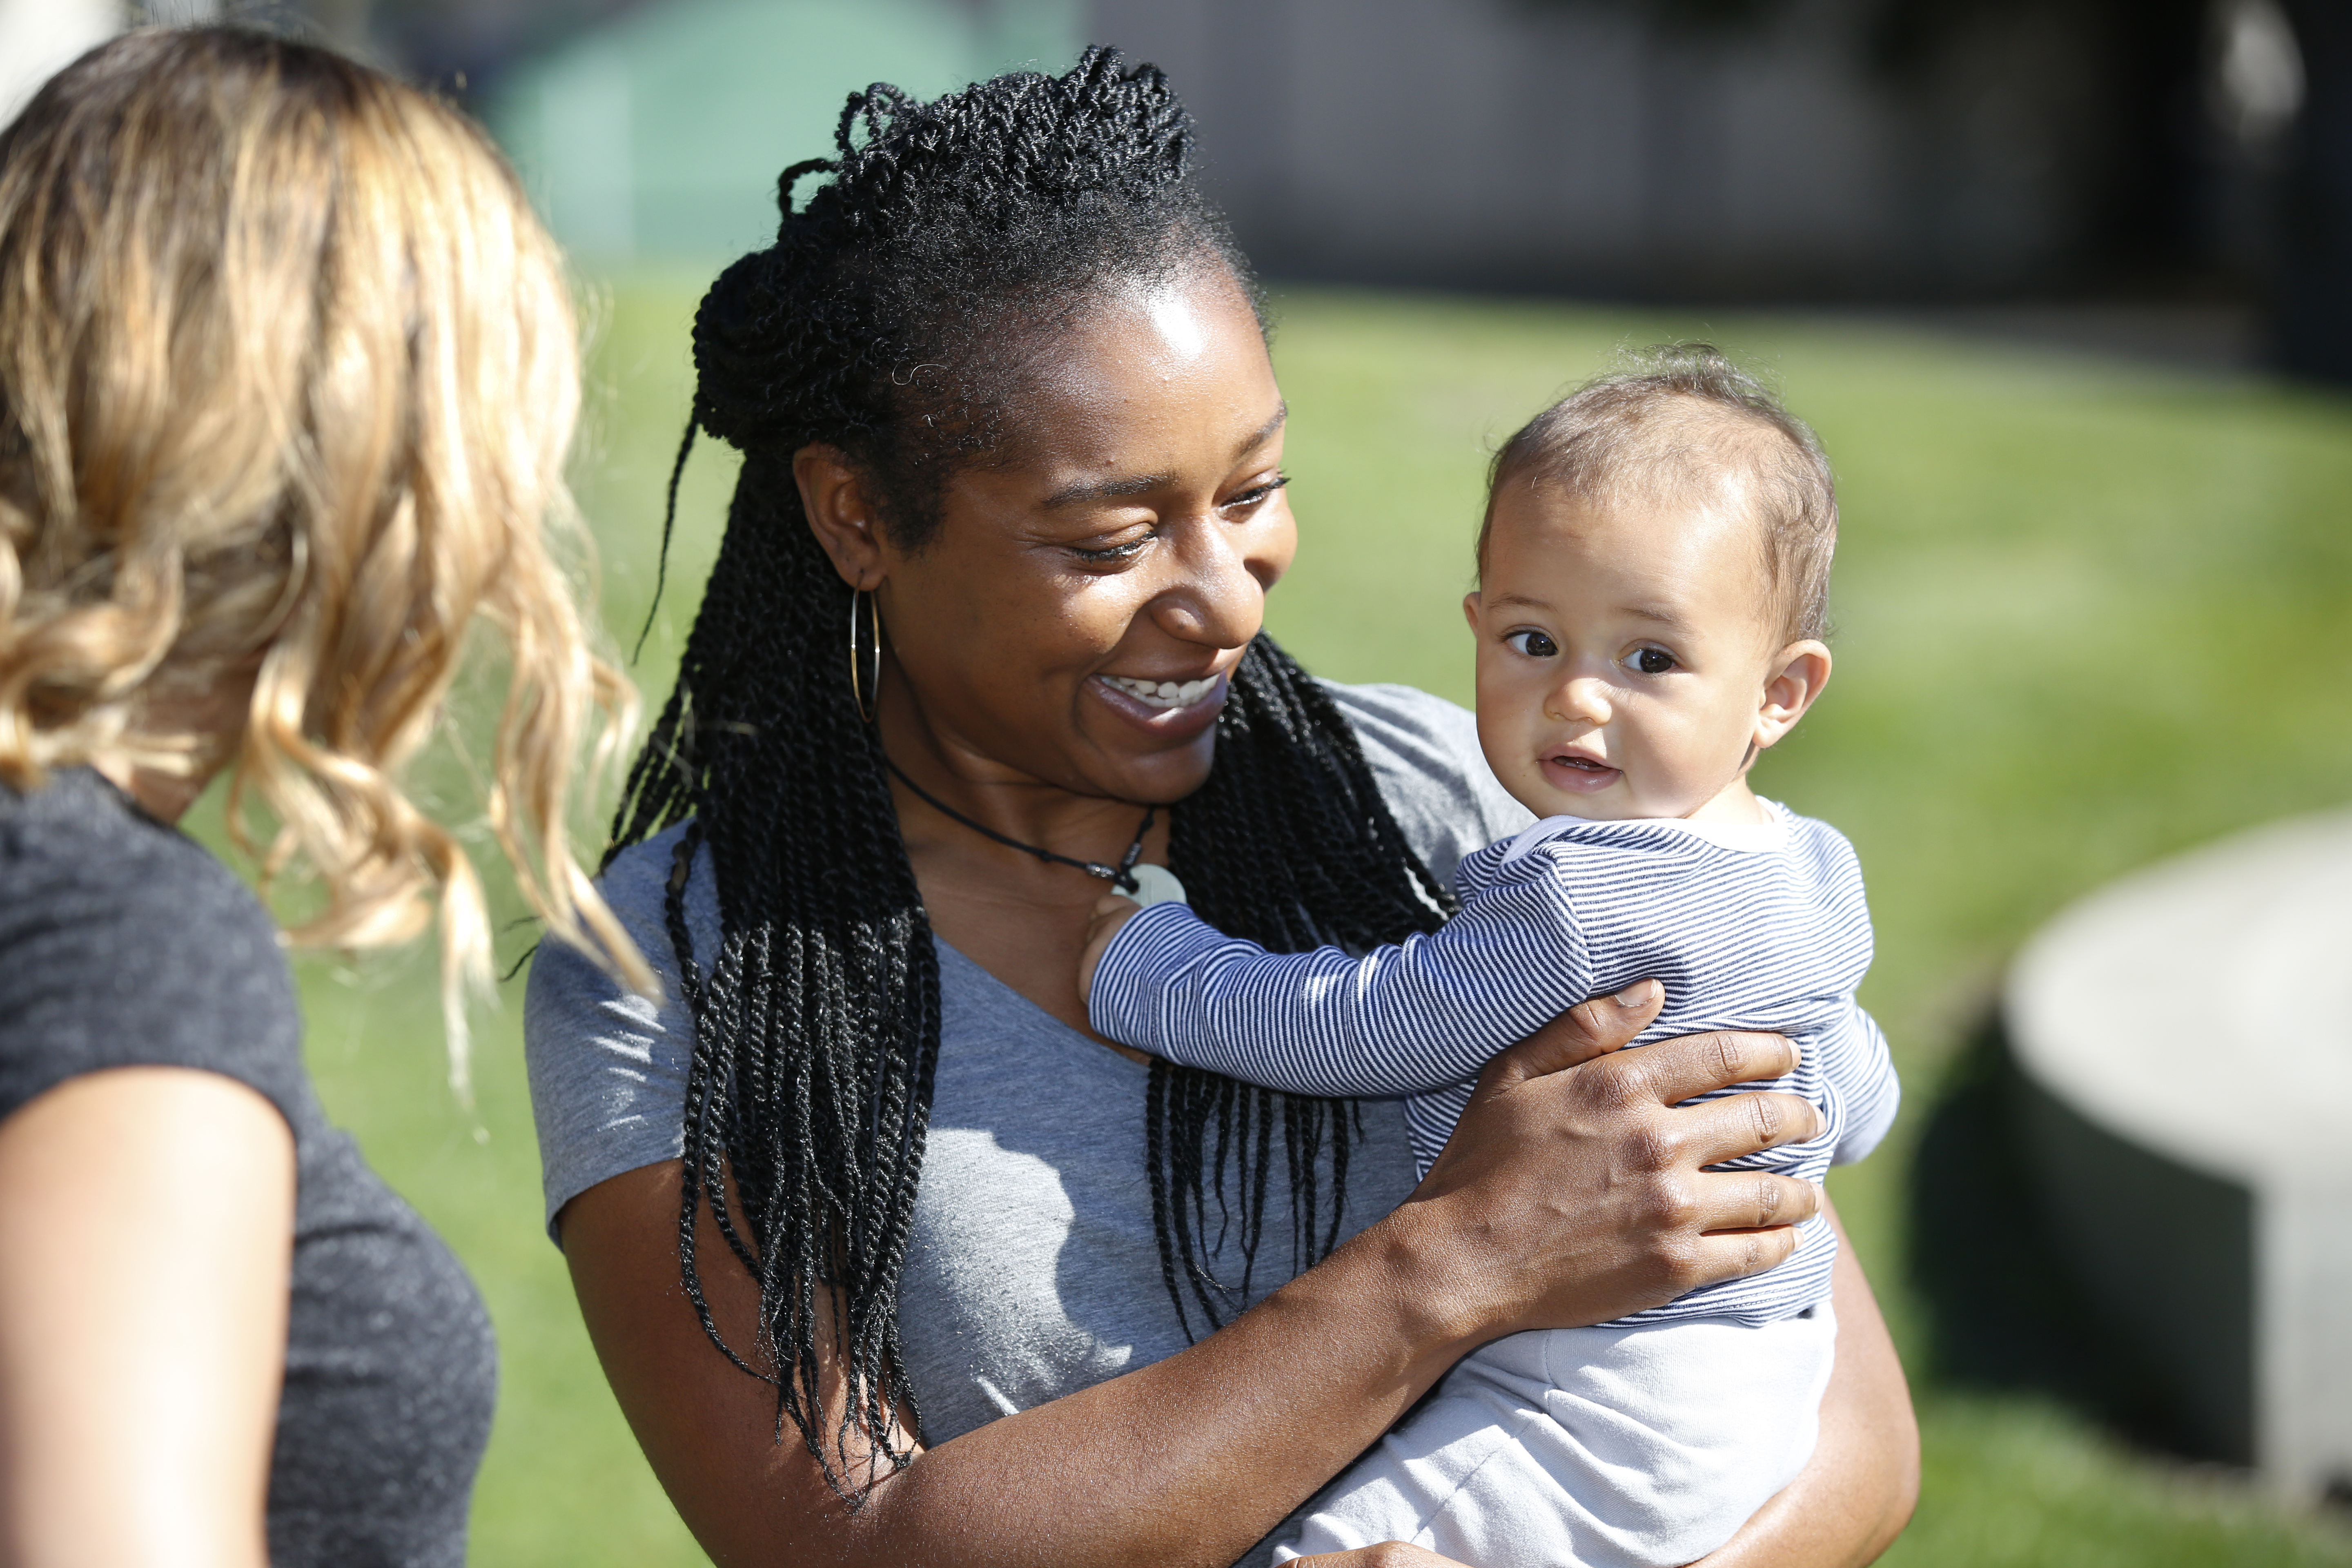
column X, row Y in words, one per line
column 1903, row 151
column 2313, row 320
column 1711, row 148
column 1493, row 144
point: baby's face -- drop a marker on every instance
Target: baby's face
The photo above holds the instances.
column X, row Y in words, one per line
column 1628, row 660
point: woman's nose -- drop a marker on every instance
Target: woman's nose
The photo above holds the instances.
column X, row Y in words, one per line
column 1221, row 599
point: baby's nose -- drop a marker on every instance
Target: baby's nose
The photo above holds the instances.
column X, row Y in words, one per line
column 1582, row 700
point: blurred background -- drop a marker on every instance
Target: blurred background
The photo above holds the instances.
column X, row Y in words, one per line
column 2066, row 285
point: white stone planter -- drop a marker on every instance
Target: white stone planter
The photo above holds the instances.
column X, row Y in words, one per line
column 2189, row 1033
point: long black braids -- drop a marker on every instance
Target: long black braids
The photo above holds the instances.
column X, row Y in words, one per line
column 873, row 325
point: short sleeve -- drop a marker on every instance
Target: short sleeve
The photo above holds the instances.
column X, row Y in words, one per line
column 1424, row 750
column 607, row 1066
column 125, row 943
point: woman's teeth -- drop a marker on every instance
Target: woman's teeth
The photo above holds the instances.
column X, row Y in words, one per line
column 1164, row 693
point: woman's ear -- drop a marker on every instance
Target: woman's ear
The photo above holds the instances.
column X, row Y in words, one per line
column 1798, row 673
column 841, row 513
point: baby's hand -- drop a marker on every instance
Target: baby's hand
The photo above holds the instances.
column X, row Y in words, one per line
column 1111, row 912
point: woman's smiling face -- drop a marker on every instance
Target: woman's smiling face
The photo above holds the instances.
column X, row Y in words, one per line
column 1076, row 612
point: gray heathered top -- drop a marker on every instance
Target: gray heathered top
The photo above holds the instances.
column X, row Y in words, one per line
column 124, row 943
column 1033, row 1270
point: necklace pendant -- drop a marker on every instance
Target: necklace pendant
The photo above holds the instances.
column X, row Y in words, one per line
column 1156, row 885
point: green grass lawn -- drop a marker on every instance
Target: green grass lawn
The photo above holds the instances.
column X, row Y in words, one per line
column 2087, row 614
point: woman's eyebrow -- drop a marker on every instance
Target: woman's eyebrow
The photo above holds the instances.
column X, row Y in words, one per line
column 1265, row 431
column 1144, row 484
column 1107, row 490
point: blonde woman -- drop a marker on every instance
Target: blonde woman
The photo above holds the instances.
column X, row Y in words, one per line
column 287, row 376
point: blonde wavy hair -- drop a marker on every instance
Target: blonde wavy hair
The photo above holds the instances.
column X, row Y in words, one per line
column 288, row 372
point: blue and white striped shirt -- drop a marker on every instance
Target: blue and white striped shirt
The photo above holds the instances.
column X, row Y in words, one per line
column 1748, row 927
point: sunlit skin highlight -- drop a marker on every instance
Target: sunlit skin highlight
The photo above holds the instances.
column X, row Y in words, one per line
column 1630, row 663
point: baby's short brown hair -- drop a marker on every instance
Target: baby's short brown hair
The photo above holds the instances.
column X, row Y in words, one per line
column 1679, row 418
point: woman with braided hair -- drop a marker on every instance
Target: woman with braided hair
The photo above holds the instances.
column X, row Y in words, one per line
column 888, row 1258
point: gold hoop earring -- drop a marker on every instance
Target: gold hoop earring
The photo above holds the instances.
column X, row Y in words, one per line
column 856, row 688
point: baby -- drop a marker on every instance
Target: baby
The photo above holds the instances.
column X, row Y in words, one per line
column 1651, row 577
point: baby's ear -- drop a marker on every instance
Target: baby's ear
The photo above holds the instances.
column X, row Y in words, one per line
column 1798, row 674
column 1470, row 608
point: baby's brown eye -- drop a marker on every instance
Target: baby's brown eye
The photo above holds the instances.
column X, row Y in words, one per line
column 1535, row 644
column 1653, row 660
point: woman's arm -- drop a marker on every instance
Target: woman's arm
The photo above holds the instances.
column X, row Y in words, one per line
column 1856, row 1495
column 1567, row 1197
column 147, row 1221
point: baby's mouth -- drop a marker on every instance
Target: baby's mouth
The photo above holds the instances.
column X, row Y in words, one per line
column 1584, row 775
column 1165, row 694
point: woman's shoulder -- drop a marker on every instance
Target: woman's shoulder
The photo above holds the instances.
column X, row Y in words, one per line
column 635, row 882
column 124, row 943
column 607, row 1066
column 1423, row 752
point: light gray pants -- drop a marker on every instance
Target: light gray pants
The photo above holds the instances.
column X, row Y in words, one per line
column 1601, row 1448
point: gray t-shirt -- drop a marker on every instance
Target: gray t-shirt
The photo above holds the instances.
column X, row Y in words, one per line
column 1033, row 1270
column 124, row 943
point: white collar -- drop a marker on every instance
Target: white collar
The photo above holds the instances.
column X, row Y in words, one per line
column 1755, row 837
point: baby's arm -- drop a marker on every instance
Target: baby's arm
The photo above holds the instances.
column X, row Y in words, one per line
column 1856, row 1064
column 1402, row 1019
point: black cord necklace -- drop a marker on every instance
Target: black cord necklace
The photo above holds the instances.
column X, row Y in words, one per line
column 1121, row 875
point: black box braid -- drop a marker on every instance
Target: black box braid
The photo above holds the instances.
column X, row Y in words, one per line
column 945, row 229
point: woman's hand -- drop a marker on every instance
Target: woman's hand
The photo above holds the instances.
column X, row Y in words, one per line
column 1572, row 1191
column 1387, row 1554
